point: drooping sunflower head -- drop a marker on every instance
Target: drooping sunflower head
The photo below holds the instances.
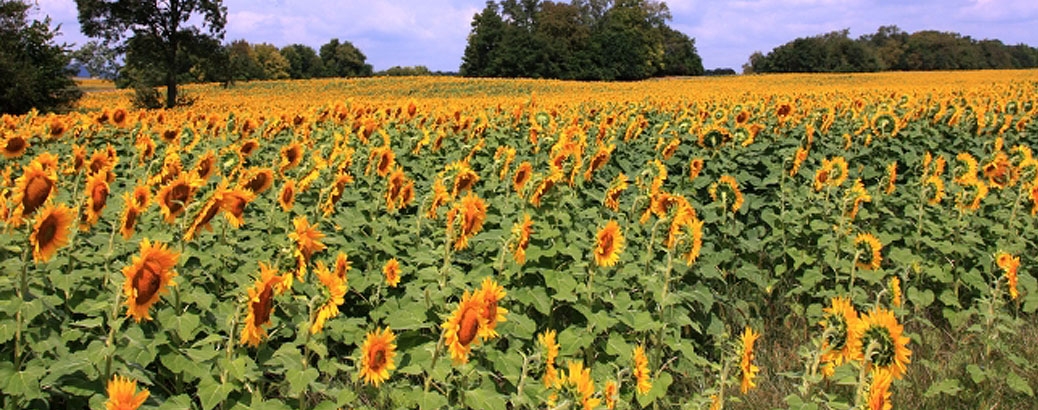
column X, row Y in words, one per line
column 838, row 321
column 640, row 369
column 257, row 180
column 233, row 202
column 248, row 147
column 209, row 210
column 291, row 156
column 609, row 244
column 260, row 304
column 872, row 249
column 342, row 265
column 32, row 190
column 878, row 339
column 749, row 370
column 131, row 214
column 612, row 195
column 123, row 394
column 50, row 231
column 695, row 167
column 469, row 215
column 521, row 232
column 206, row 166
column 147, row 277
column 493, row 313
column 377, row 355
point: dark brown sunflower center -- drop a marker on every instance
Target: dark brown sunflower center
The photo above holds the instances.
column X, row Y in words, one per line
column 147, row 281
column 48, row 230
column 378, row 359
column 262, row 307
column 606, row 244
column 99, row 197
column 468, row 326
column 257, row 183
column 15, row 145
column 36, row 192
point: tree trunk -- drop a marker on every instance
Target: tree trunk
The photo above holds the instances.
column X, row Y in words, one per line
column 171, row 90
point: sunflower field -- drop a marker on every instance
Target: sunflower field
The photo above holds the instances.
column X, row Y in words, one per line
column 794, row 241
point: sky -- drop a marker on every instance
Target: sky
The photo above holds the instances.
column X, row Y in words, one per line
column 433, row 32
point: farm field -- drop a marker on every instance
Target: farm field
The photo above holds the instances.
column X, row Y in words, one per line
column 791, row 241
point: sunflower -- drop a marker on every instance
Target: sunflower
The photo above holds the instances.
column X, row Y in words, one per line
column 50, row 231
column 838, row 321
column 248, row 146
column 260, row 304
column 891, row 177
column 798, row 159
column 97, row 197
column 879, row 336
column 612, row 195
column 131, row 214
column 14, row 146
column 377, row 354
column 338, row 189
column 287, row 197
column 78, row 158
column 874, row 248
column 857, row 194
column 609, row 244
column 980, row 191
column 396, row 189
column 291, row 156
column 141, row 197
column 551, row 348
column 308, row 241
column 695, row 166
column 546, row 184
column 32, row 190
column 123, row 394
column 392, row 272
column 599, row 160
column 493, row 314
column 640, row 370
column 464, row 179
column 257, row 180
column 336, row 296
column 610, row 393
column 174, row 197
column 439, row 198
column 148, row 277
column 879, row 390
column 384, row 158
column 1010, row 265
column 462, row 328
column 522, row 175
column 969, row 168
column 119, row 117
column 521, row 231
column 749, row 370
column 209, row 210
column 733, row 186
column 473, row 212
column 580, row 380
column 938, row 189
column 342, row 265
column 233, row 202
column 999, row 171
column 206, row 166
column 895, row 291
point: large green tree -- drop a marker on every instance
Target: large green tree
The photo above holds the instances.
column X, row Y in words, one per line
column 158, row 35
column 33, row 69
column 342, row 59
column 303, row 61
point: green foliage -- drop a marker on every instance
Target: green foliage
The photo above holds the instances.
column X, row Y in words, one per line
column 342, row 59
column 156, row 56
column 303, row 61
column 33, row 69
column 891, row 49
column 98, row 59
column 584, row 40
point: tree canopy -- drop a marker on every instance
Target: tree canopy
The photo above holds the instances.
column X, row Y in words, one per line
column 33, row 68
column 890, row 48
column 580, row 40
column 159, row 42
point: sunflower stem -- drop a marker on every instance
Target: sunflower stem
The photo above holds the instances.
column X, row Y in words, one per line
column 854, row 269
column 859, row 391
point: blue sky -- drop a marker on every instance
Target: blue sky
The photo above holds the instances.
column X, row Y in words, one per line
column 433, row 32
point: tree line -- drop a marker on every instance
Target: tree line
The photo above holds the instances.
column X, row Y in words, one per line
column 891, row 49
column 579, row 40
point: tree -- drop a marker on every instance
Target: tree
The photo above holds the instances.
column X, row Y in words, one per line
column 344, row 60
column 244, row 65
column 275, row 66
column 483, row 43
column 156, row 31
column 33, row 69
column 679, row 54
column 303, row 61
column 98, row 60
